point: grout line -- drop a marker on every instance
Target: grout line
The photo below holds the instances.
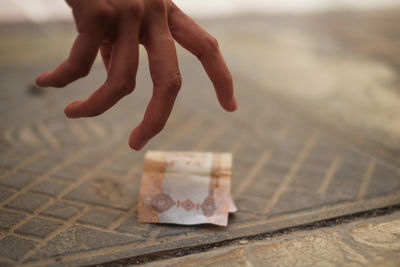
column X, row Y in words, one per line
column 28, row 237
column 48, row 135
column 48, row 217
column 28, row 136
column 103, row 229
column 97, row 130
column 9, row 188
column 37, row 181
column 237, row 145
column 192, row 125
column 91, row 173
column 262, row 160
column 369, row 204
column 7, row 260
column 79, row 131
column 335, row 163
column 52, row 235
column 125, row 215
column 22, row 164
column 72, row 201
column 73, row 220
column 44, row 176
column 209, row 138
column 69, row 188
column 366, row 178
column 127, row 247
column 292, row 172
column 21, row 212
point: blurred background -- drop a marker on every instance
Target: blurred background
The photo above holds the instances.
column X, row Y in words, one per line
column 340, row 56
column 44, row 10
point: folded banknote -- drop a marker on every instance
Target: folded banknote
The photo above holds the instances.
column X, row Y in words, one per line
column 186, row 188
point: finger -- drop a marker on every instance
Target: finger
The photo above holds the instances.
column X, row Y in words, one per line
column 167, row 82
column 83, row 52
column 122, row 68
column 200, row 43
column 81, row 58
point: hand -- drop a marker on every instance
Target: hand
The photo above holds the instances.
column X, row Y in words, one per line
column 116, row 27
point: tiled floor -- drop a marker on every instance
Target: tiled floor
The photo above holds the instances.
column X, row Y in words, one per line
column 69, row 188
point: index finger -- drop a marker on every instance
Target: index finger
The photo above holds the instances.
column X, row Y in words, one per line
column 205, row 47
column 83, row 52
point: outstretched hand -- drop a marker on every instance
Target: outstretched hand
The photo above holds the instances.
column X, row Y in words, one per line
column 116, row 27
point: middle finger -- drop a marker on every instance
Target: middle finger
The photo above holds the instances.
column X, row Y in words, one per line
column 122, row 67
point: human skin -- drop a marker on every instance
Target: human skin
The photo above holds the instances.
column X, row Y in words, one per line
column 116, row 28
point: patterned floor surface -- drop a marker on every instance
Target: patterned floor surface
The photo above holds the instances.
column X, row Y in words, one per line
column 69, row 188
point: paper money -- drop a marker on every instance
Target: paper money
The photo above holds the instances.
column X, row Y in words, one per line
column 186, row 188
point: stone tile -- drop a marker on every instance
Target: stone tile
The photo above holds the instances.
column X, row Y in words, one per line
column 71, row 172
column 62, row 210
column 61, row 154
column 125, row 162
column 10, row 161
column 3, row 171
column 5, row 193
column 307, row 180
column 370, row 242
column 80, row 239
column 6, row 264
column 27, row 202
column 99, row 217
column 106, row 191
column 241, row 217
column 263, row 187
column 50, row 187
column 347, row 180
column 293, row 200
column 131, row 225
column 385, row 179
column 93, row 157
column 14, row 248
column 121, row 166
column 38, row 227
column 251, row 203
column 42, row 165
column 18, row 179
column 169, row 231
column 8, row 219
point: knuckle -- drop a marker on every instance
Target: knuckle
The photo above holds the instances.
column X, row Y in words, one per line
column 134, row 8
column 226, row 76
column 79, row 70
column 174, row 84
column 158, row 5
column 124, row 88
column 103, row 14
column 210, row 45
